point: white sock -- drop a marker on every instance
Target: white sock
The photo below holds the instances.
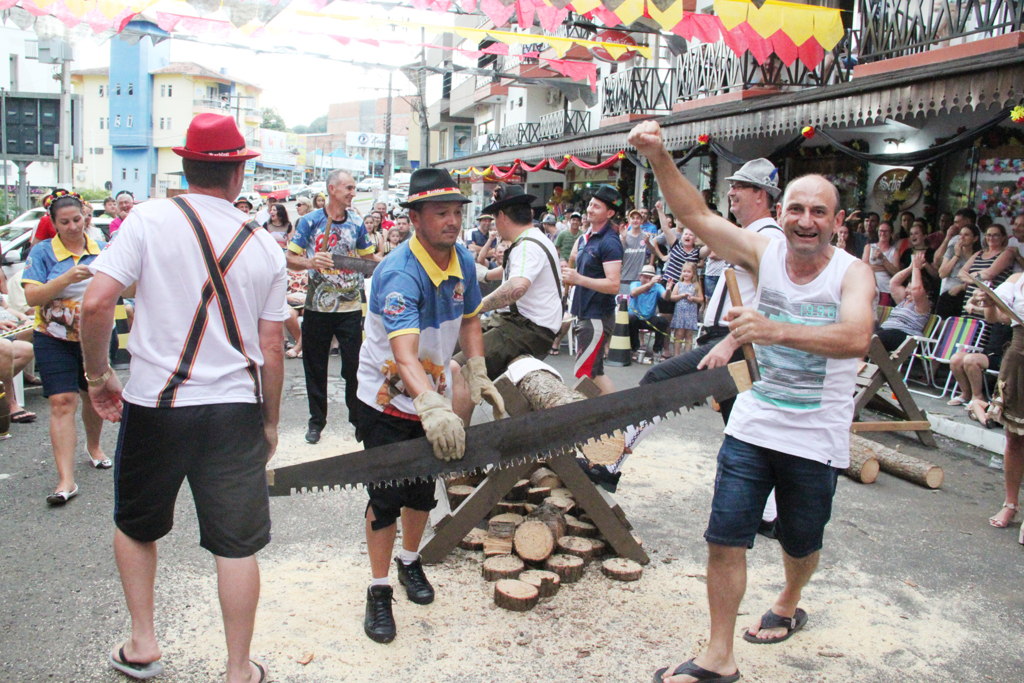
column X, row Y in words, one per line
column 407, row 556
column 770, row 512
column 380, row 582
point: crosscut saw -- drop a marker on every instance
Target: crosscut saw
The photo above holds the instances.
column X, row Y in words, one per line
column 358, row 265
column 536, row 435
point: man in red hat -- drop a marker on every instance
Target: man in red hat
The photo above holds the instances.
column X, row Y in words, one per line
column 204, row 395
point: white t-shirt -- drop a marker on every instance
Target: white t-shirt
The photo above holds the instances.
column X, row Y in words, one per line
column 157, row 248
column 542, row 303
column 748, row 290
column 1012, row 293
column 1013, row 243
column 803, row 403
column 262, row 216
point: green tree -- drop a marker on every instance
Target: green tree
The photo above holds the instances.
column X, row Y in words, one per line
column 319, row 125
column 272, row 119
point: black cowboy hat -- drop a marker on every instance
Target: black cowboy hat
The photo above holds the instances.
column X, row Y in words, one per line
column 610, row 196
column 506, row 196
column 432, row 185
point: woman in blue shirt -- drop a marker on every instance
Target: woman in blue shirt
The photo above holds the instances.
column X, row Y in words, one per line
column 55, row 278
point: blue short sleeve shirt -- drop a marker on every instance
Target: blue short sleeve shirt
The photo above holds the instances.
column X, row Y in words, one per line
column 594, row 251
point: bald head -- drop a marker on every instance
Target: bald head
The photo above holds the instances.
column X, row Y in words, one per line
column 809, row 214
column 816, row 184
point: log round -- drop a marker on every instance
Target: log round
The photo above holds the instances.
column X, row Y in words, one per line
column 519, row 492
column 547, row 583
column 537, row 495
column 552, row 516
column 568, row 567
column 545, row 478
column 566, row 505
column 534, row 541
column 863, row 464
column 605, row 451
column 512, row 507
column 503, row 526
column 502, row 567
column 516, row 519
column 574, row 527
column 621, row 569
column 600, row 548
column 474, row 540
column 563, row 492
column 458, row 493
column 582, row 548
column 517, row 596
column 901, row 465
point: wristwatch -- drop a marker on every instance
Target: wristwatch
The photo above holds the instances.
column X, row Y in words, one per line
column 101, row 380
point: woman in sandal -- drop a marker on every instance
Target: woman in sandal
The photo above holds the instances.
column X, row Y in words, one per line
column 1008, row 405
column 55, row 278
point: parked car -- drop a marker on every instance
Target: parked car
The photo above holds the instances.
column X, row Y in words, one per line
column 278, row 189
column 16, row 239
column 298, row 190
column 102, row 221
column 370, row 184
column 319, row 187
column 399, row 179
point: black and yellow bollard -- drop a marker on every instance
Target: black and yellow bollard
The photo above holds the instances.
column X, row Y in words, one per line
column 5, row 413
column 120, row 359
column 619, row 351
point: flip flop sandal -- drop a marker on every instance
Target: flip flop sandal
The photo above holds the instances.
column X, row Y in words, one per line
column 700, row 673
column 33, row 382
column 263, row 671
column 772, row 620
column 60, row 497
column 103, row 464
column 138, row 670
column 23, row 417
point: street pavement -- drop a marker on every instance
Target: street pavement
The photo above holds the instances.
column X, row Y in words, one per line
column 931, row 551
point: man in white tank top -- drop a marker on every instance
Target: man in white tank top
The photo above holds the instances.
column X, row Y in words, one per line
column 791, row 430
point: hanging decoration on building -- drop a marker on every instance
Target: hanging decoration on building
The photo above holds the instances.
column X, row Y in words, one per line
column 504, row 173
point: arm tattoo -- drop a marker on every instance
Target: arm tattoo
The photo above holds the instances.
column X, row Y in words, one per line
column 505, row 295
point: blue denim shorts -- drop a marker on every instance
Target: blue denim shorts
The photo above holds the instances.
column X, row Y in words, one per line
column 60, row 366
column 746, row 475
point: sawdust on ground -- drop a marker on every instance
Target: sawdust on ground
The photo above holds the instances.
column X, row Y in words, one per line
column 313, row 599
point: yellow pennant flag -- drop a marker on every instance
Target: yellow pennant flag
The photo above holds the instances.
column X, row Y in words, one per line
column 670, row 17
column 828, row 28
column 631, row 10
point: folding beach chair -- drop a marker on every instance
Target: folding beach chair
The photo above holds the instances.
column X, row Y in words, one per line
column 955, row 332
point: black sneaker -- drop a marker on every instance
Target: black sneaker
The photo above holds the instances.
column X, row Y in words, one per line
column 379, row 622
column 600, row 475
column 767, row 529
column 417, row 588
column 313, row 435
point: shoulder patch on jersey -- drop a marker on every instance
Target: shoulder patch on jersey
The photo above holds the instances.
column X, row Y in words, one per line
column 460, row 290
column 394, row 304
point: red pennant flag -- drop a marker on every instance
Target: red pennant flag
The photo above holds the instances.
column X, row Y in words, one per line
column 811, row 53
column 785, row 48
column 497, row 12
column 760, row 47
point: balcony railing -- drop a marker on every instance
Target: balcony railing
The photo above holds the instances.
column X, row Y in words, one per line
column 713, row 69
column 561, row 123
column 895, row 28
column 246, row 105
column 520, row 134
column 487, row 143
column 640, row 90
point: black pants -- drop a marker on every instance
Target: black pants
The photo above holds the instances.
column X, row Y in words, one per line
column 891, row 339
column 655, row 322
column 686, row 364
column 318, row 329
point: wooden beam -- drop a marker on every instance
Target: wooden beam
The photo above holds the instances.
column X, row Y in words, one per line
column 907, row 426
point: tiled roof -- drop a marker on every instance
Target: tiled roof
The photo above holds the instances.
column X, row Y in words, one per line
column 193, row 69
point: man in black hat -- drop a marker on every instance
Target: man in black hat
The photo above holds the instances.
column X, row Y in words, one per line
column 528, row 303
column 596, row 277
column 424, row 299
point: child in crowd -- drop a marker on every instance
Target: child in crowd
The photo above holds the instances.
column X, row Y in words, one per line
column 394, row 239
column 687, row 296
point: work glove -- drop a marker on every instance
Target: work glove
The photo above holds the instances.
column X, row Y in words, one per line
column 480, row 387
column 443, row 427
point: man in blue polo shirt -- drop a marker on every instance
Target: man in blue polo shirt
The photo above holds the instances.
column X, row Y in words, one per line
column 643, row 309
column 596, row 277
column 424, row 299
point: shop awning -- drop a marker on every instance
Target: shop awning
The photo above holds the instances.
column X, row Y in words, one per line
column 280, row 167
column 993, row 80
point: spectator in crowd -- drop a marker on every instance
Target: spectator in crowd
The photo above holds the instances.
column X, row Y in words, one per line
column 936, row 236
column 550, row 226
column 993, row 263
column 319, row 201
column 565, row 239
column 687, row 296
column 303, row 205
column 385, row 221
column 44, row 229
column 645, row 222
column 917, row 243
column 15, row 355
column 244, row 205
column 55, row 279
column 125, row 202
column 857, row 237
column 1015, row 241
column 906, row 222
column 375, row 233
column 843, row 239
column 263, row 215
column 394, row 238
column 913, row 308
column 881, row 256
column 279, row 227
column 634, row 249
column 682, row 249
column 969, row 366
column 484, row 229
column 958, row 253
column 110, row 207
column 871, row 222
column 404, row 227
column 485, row 256
column 643, row 311
column 984, row 220
column 594, row 269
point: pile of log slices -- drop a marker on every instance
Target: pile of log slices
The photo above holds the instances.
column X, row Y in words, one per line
column 536, row 540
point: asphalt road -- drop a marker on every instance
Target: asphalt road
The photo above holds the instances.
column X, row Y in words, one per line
column 62, row 607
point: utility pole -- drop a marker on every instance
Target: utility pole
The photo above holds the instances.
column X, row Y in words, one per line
column 387, row 140
column 422, row 83
column 65, row 158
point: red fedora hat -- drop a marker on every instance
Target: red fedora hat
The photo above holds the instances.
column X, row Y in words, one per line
column 213, row 137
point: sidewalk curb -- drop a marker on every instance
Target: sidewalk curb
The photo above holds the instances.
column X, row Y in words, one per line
column 993, row 441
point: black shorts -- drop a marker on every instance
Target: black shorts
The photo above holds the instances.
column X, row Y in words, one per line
column 378, row 429
column 220, row 448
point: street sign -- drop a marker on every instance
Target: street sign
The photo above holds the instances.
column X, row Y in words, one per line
column 31, row 126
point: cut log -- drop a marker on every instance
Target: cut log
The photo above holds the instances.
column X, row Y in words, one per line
column 566, row 505
column 552, row 516
column 863, row 464
column 519, row 492
column 474, row 540
column 502, row 567
column 568, row 567
column 517, row 596
column 497, row 546
column 458, row 493
column 901, row 465
column 574, row 527
column 563, row 492
column 501, row 526
column 508, row 517
column 582, row 548
column 545, row 478
column 538, row 494
column 534, row 541
column 600, row 547
column 544, row 390
column 621, row 569
column 512, row 507
column 605, row 451
column 547, row 583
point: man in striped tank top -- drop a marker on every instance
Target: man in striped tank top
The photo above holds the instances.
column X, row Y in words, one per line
column 810, row 323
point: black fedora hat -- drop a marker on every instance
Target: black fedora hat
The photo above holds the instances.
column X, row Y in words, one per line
column 432, row 185
column 610, row 196
column 508, row 195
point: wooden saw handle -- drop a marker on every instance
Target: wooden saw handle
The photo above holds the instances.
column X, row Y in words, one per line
column 736, row 300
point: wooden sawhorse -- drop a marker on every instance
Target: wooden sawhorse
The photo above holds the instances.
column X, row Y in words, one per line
column 882, row 369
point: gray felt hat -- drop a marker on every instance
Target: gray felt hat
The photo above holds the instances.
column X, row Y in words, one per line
column 760, row 173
